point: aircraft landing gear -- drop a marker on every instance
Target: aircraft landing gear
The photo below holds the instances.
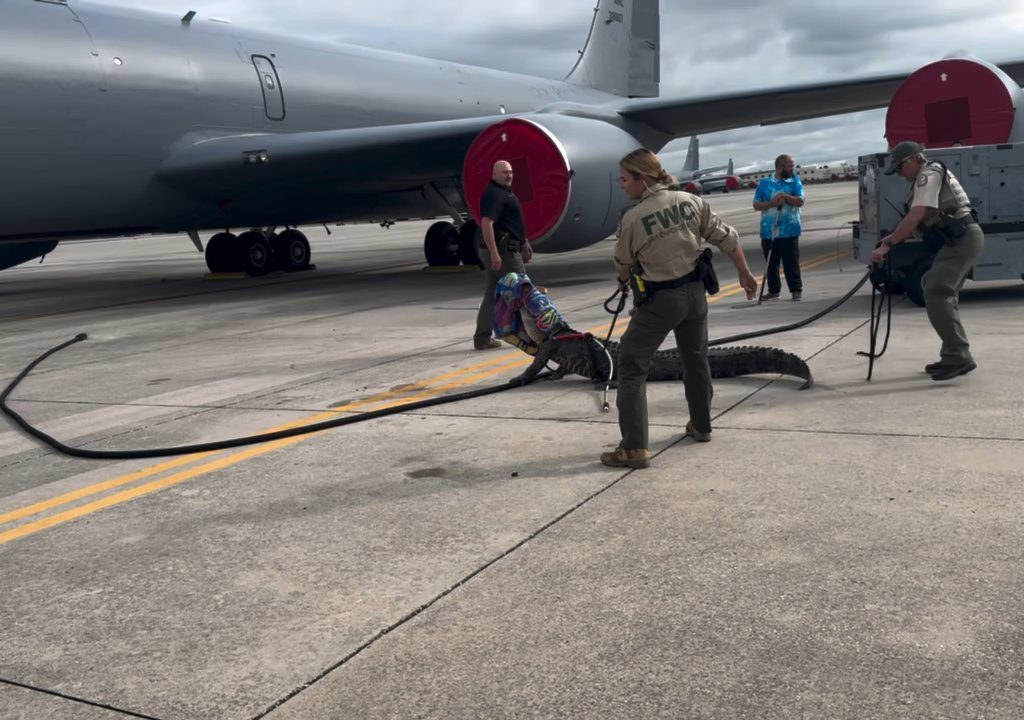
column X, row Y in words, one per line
column 468, row 253
column 253, row 253
column 219, row 250
column 441, row 244
column 258, row 252
column 291, row 250
column 446, row 244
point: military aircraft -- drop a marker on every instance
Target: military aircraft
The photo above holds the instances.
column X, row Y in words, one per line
column 117, row 121
column 692, row 177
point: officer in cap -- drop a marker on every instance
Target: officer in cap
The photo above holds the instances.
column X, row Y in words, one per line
column 940, row 214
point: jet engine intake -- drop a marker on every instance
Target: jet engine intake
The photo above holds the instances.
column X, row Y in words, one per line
column 565, row 175
column 956, row 101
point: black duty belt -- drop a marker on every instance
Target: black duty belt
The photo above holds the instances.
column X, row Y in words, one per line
column 678, row 282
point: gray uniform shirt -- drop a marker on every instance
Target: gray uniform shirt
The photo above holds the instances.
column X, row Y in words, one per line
column 928, row 191
column 664, row 232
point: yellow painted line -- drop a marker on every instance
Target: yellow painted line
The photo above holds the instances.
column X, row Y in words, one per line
column 457, row 378
column 97, row 488
column 135, row 476
column 213, row 466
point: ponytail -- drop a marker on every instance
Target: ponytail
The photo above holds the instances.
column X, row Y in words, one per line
column 643, row 163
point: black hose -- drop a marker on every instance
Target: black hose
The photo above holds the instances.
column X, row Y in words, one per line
column 338, row 422
column 879, row 287
column 222, row 444
column 793, row 326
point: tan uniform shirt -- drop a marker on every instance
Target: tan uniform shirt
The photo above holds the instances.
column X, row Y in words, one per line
column 664, row 232
column 928, row 191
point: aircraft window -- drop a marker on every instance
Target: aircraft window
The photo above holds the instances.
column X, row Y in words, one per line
column 269, row 80
column 118, row 61
column 502, row 108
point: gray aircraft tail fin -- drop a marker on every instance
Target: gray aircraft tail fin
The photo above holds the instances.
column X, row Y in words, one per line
column 732, row 170
column 622, row 54
column 692, row 156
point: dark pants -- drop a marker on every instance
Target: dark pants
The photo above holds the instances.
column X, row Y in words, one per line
column 684, row 312
column 942, row 293
column 786, row 251
column 510, row 262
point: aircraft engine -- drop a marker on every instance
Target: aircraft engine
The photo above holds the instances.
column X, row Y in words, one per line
column 566, row 176
column 953, row 101
column 692, row 187
column 732, row 182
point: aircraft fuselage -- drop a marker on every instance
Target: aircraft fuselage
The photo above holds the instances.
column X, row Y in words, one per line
column 94, row 98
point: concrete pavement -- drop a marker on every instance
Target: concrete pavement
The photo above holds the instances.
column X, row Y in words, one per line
column 849, row 551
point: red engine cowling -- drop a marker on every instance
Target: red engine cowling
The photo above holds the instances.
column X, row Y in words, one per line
column 693, row 188
column 732, row 182
column 566, row 176
column 962, row 101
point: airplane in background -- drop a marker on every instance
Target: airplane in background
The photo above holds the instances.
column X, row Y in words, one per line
column 695, row 179
column 117, row 121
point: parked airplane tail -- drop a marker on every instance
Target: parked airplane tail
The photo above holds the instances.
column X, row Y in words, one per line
column 692, row 163
column 622, row 54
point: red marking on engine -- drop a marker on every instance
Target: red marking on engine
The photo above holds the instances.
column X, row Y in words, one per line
column 540, row 172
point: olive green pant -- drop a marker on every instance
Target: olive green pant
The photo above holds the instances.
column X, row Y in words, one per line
column 684, row 311
column 510, row 262
column 942, row 293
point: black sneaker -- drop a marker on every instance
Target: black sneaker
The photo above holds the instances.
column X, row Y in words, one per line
column 948, row 372
column 797, row 295
column 771, row 296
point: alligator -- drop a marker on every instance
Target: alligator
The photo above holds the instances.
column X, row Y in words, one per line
column 529, row 321
column 584, row 354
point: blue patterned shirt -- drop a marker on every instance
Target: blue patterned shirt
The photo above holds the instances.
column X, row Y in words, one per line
column 782, row 221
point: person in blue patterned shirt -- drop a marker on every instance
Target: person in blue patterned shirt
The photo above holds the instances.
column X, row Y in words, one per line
column 780, row 198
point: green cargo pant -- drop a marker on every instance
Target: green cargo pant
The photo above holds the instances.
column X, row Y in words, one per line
column 684, row 311
column 942, row 293
column 510, row 262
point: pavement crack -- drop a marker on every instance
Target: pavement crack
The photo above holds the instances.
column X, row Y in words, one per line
column 440, row 596
column 74, row 699
column 876, row 433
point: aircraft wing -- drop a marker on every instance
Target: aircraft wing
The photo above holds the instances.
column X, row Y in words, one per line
column 378, row 159
column 701, row 115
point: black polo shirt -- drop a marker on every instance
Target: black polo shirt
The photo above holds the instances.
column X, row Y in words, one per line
column 501, row 205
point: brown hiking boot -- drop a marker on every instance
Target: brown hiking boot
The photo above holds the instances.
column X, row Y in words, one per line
column 491, row 344
column 696, row 434
column 621, row 457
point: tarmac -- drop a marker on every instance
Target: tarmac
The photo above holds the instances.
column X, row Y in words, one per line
column 854, row 550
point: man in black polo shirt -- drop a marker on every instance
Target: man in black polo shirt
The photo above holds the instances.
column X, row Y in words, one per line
column 505, row 247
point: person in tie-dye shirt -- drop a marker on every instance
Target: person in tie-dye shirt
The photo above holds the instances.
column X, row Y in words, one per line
column 780, row 199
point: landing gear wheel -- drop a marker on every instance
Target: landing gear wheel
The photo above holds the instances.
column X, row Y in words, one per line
column 915, row 281
column 468, row 252
column 291, row 251
column 441, row 244
column 219, row 251
column 254, row 254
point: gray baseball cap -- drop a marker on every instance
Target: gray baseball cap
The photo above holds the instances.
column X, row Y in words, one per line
column 904, row 150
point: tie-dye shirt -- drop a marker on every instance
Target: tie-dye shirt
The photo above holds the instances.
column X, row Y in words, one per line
column 511, row 296
column 783, row 220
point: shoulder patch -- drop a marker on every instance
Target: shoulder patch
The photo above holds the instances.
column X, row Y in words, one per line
column 922, row 180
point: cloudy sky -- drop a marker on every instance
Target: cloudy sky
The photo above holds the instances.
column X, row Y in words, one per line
column 708, row 46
